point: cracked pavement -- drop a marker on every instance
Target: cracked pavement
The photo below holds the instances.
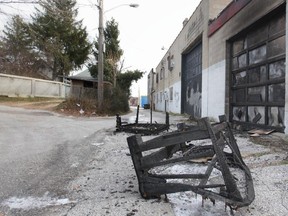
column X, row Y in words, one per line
column 58, row 165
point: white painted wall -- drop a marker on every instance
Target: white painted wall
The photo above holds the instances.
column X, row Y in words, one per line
column 160, row 101
column 17, row 86
column 173, row 105
column 213, row 90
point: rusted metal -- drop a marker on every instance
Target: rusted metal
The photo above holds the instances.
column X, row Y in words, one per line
column 221, row 150
column 141, row 128
column 231, row 10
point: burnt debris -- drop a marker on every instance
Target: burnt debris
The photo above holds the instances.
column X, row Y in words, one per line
column 220, row 154
column 143, row 129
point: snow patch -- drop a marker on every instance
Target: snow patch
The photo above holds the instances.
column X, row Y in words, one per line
column 97, row 144
column 27, row 203
column 75, row 165
column 188, row 203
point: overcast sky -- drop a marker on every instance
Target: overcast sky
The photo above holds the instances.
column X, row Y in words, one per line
column 143, row 30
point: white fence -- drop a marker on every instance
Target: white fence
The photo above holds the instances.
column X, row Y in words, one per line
column 17, row 86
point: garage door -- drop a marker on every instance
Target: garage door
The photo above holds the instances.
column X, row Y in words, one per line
column 258, row 75
column 192, row 82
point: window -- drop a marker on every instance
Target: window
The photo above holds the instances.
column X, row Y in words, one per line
column 257, row 55
column 162, row 73
column 170, row 60
column 258, row 74
column 171, row 93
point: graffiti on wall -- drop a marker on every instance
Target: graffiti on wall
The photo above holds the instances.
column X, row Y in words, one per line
column 192, row 81
column 194, row 97
column 176, row 98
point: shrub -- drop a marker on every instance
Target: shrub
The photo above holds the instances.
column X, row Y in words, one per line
column 118, row 101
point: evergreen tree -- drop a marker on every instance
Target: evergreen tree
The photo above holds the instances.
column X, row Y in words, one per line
column 112, row 57
column 117, row 99
column 16, row 53
column 124, row 80
column 112, row 54
column 60, row 39
column 121, row 92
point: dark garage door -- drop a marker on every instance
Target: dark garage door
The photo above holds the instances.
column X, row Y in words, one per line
column 258, row 75
column 192, row 82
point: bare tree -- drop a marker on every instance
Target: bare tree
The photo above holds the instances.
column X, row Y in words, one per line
column 13, row 2
column 9, row 4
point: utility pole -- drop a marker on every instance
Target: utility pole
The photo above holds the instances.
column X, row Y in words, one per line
column 100, row 56
column 101, row 50
column 152, row 90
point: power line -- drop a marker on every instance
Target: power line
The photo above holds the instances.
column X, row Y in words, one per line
column 19, row 2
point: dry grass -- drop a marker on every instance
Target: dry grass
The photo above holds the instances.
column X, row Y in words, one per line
column 31, row 103
column 71, row 106
column 75, row 107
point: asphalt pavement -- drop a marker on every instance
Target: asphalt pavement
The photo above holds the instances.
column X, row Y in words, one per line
column 58, row 165
column 55, row 165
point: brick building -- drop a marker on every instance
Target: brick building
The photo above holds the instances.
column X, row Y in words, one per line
column 229, row 58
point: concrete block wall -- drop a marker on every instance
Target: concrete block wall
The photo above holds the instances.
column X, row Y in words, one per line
column 47, row 89
column 17, row 86
column 12, row 85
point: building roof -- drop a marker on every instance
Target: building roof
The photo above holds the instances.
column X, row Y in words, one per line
column 84, row 75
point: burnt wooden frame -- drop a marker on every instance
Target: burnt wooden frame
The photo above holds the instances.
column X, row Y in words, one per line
column 154, row 185
column 142, row 128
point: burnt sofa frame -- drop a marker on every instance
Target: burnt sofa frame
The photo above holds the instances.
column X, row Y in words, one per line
column 221, row 136
column 143, row 129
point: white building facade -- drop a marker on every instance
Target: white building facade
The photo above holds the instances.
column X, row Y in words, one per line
column 229, row 58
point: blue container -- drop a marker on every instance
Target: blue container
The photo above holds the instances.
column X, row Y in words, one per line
column 144, row 100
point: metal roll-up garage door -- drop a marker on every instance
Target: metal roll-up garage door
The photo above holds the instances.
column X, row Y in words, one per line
column 258, row 75
column 192, row 82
